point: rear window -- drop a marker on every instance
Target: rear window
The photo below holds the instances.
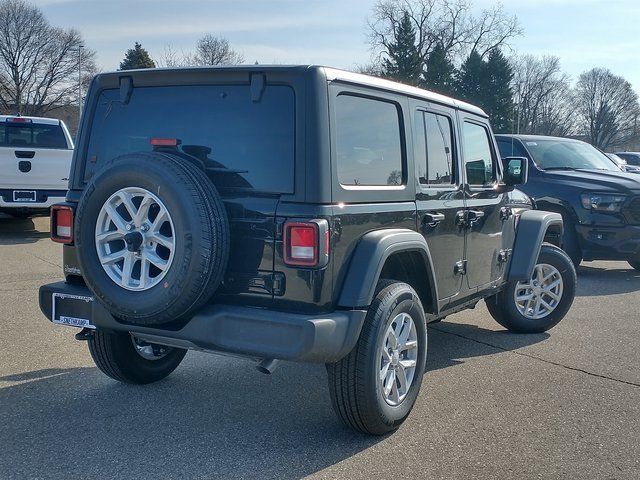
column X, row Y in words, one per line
column 32, row 135
column 244, row 144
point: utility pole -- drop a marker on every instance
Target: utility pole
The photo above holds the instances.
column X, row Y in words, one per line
column 80, row 47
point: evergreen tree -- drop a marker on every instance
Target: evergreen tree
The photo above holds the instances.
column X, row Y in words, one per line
column 440, row 73
column 403, row 62
column 472, row 80
column 498, row 102
column 137, row 57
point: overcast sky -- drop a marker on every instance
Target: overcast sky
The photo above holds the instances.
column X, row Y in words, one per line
column 583, row 33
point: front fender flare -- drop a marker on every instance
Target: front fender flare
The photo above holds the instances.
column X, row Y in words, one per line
column 532, row 228
column 369, row 257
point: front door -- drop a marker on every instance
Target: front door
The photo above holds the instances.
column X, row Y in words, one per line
column 485, row 208
column 440, row 198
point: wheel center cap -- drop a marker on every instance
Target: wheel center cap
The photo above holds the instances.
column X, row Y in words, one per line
column 395, row 357
column 133, row 241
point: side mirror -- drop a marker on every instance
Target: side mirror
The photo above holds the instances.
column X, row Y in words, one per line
column 516, row 171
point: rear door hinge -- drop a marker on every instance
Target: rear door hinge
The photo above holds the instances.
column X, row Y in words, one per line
column 460, row 267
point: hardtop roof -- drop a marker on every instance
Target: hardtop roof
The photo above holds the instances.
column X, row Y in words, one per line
column 331, row 74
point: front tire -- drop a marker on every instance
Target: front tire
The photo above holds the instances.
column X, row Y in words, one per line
column 374, row 388
column 542, row 301
column 127, row 359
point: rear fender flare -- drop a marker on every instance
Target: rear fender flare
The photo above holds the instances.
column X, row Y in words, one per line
column 369, row 257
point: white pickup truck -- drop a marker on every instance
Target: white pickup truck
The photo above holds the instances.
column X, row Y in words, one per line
column 35, row 159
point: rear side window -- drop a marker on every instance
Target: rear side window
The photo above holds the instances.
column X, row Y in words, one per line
column 244, row 144
column 434, row 149
column 368, row 142
column 478, row 159
column 32, row 135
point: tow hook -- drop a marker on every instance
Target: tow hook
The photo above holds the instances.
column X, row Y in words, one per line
column 84, row 334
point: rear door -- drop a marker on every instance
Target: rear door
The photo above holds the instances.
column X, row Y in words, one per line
column 486, row 209
column 34, row 155
column 439, row 196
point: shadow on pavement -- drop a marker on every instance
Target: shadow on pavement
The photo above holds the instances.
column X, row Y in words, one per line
column 15, row 231
column 605, row 281
column 450, row 343
column 214, row 417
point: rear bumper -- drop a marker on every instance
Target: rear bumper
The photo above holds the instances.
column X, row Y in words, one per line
column 44, row 199
column 609, row 243
column 240, row 330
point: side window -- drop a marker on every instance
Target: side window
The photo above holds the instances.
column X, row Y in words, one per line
column 368, row 142
column 509, row 148
column 439, row 149
column 434, row 149
column 478, row 160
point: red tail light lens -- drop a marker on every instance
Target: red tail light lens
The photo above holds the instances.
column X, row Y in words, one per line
column 301, row 244
column 306, row 244
column 62, row 224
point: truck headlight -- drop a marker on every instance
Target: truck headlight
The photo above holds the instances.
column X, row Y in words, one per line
column 602, row 202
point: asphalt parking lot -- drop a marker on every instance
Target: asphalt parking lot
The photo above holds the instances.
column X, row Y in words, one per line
column 560, row 405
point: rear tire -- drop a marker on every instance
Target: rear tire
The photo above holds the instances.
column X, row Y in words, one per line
column 533, row 317
column 116, row 355
column 358, row 383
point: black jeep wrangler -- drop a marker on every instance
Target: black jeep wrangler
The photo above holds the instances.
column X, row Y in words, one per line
column 294, row 213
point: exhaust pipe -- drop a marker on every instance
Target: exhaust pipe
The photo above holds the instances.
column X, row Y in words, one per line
column 267, row 365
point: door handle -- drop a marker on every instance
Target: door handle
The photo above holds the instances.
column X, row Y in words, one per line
column 24, row 154
column 433, row 219
column 474, row 215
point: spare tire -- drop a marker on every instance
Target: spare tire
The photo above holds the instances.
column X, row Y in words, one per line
column 152, row 238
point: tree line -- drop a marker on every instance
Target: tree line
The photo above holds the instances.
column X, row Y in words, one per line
column 442, row 45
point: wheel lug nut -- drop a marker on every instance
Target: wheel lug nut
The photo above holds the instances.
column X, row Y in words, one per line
column 129, row 227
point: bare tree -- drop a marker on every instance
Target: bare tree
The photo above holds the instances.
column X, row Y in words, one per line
column 39, row 63
column 212, row 50
column 450, row 23
column 607, row 107
column 542, row 96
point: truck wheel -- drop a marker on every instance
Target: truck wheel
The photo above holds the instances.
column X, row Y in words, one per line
column 152, row 238
column 635, row 264
column 373, row 389
column 128, row 359
column 539, row 303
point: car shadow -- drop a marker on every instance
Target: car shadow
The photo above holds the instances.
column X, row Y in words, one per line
column 15, row 231
column 607, row 281
column 214, row 417
column 451, row 343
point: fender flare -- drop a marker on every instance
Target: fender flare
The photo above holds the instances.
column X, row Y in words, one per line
column 531, row 230
column 369, row 257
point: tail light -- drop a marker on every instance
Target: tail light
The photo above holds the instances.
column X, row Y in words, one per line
column 62, row 223
column 306, row 244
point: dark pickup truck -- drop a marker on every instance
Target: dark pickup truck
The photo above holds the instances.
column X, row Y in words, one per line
column 294, row 213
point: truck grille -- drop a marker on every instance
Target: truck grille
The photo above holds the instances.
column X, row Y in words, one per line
column 633, row 211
